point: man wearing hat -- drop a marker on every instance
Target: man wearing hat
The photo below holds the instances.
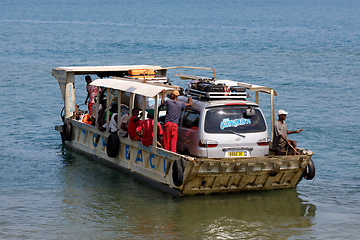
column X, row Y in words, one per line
column 172, row 118
column 281, row 142
column 146, row 127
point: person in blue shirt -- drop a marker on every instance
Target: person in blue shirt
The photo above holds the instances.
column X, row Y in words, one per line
column 172, row 118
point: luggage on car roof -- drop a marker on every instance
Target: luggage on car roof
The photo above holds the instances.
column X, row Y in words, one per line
column 208, row 90
column 208, row 87
column 237, row 89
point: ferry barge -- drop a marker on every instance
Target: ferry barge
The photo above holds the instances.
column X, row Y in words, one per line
column 188, row 172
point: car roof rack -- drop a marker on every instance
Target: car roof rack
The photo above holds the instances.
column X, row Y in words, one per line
column 217, row 95
column 208, row 89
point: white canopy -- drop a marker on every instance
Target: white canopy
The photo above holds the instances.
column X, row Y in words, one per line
column 131, row 86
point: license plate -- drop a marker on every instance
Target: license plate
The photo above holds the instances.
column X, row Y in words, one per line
column 237, row 154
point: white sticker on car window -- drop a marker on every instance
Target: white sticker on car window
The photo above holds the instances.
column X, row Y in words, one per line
column 234, row 123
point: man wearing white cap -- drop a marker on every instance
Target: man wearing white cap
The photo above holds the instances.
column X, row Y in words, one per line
column 281, row 142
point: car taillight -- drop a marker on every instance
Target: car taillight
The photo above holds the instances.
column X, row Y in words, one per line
column 263, row 142
column 208, row 143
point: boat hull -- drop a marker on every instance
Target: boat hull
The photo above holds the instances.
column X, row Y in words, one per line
column 186, row 175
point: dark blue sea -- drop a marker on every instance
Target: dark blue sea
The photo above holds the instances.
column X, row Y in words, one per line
column 309, row 51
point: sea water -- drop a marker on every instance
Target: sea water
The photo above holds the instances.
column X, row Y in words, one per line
column 308, row 51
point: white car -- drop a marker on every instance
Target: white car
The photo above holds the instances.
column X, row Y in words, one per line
column 222, row 128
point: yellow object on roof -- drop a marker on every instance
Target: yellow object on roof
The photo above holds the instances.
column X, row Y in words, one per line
column 141, row 73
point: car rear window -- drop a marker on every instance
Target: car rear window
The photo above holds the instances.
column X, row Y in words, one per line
column 233, row 119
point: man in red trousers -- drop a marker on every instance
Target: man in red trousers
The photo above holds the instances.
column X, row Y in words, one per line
column 172, row 119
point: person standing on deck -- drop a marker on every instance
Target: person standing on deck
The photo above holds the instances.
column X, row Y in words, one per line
column 281, row 142
column 92, row 92
column 172, row 119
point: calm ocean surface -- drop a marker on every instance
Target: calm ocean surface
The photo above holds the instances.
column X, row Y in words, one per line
column 309, row 51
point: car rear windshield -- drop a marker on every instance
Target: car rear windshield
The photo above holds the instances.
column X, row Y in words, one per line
column 233, row 119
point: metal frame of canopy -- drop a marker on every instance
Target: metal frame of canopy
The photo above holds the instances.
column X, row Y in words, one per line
column 251, row 87
column 133, row 87
column 66, row 79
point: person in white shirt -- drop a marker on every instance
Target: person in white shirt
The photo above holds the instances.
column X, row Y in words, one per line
column 124, row 121
column 281, row 142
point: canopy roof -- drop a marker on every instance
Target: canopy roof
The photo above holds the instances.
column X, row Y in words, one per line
column 131, row 86
column 95, row 69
